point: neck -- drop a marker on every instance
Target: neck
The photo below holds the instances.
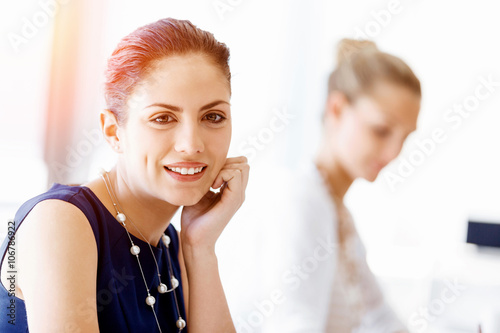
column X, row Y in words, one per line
column 149, row 214
column 335, row 175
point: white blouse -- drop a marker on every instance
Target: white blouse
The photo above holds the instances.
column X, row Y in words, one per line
column 306, row 285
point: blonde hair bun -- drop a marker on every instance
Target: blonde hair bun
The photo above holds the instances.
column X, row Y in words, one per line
column 360, row 65
column 347, row 48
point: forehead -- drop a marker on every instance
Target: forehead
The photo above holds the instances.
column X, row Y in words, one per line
column 395, row 104
column 184, row 78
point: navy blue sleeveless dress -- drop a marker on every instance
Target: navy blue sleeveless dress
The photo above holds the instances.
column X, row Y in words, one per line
column 121, row 293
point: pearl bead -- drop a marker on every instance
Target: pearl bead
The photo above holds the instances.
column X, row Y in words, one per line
column 121, row 217
column 135, row 250
column 166, row 240
column 175, row 282
column 150, row 300
column 162, row 288
column 181, row 323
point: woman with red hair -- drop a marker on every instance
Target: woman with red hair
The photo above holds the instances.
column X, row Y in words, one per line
column 103, row 256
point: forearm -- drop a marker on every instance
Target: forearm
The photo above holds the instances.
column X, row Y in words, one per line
column 208, row 309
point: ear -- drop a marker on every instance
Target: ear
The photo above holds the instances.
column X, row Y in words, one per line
column 336, row 104
column 110, row 129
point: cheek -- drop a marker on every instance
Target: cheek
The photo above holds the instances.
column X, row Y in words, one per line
column 354, row 139
column 358, row 147
column 217, row 145
column 145, row 141
column 147, row 147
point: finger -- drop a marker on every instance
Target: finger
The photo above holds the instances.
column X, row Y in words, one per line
column 229, row 176
column 245, row 171
column 246, row 175
column 222, row 188
column 240, row 162
column 243, row 167
column 223, row 176
column 239, row 159
column 240, row 166
column 234, row 182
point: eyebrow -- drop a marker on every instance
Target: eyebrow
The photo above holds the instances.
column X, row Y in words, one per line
column 178, row 109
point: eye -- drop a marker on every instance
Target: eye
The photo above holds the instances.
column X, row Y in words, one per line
column 163, row 119
column 381, row 131
column 214, row 118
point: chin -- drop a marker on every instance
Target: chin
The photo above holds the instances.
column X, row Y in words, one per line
column 185, row 200
column 186, row 197
column 371, row 176
column 190, row 201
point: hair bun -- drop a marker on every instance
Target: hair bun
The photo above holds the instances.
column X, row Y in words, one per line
column 349, row 47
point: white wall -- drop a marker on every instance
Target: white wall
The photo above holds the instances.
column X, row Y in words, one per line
column 24, row 64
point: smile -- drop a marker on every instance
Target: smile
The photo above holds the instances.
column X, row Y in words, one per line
column 186, row 171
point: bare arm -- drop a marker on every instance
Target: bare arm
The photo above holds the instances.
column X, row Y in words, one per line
column 57, row 269
column 202, row 225
column 185, row 282
column 208, row 310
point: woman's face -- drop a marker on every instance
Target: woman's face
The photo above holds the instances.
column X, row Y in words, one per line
column 371, row 131
column 178, row 129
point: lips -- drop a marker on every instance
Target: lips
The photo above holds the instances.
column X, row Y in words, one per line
column 186, row 171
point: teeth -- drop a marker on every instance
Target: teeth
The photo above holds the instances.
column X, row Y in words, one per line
column 186, row 171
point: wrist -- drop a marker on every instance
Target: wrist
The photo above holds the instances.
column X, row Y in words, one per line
column 197, row 241
column 197, row 251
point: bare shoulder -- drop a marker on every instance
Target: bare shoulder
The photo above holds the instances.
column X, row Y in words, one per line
column 55, row 220
column 47, row 229
column 56, row 250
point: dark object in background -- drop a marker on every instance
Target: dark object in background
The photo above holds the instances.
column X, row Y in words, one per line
column 483, row 233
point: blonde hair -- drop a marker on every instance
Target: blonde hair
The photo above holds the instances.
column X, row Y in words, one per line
column 360, row 65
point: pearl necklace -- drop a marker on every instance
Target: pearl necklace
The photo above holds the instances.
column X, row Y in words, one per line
column 135, row 250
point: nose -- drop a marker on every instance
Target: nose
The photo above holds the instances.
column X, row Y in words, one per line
column 189, row 139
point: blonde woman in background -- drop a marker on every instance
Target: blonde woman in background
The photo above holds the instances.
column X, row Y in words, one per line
column 324, row 283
